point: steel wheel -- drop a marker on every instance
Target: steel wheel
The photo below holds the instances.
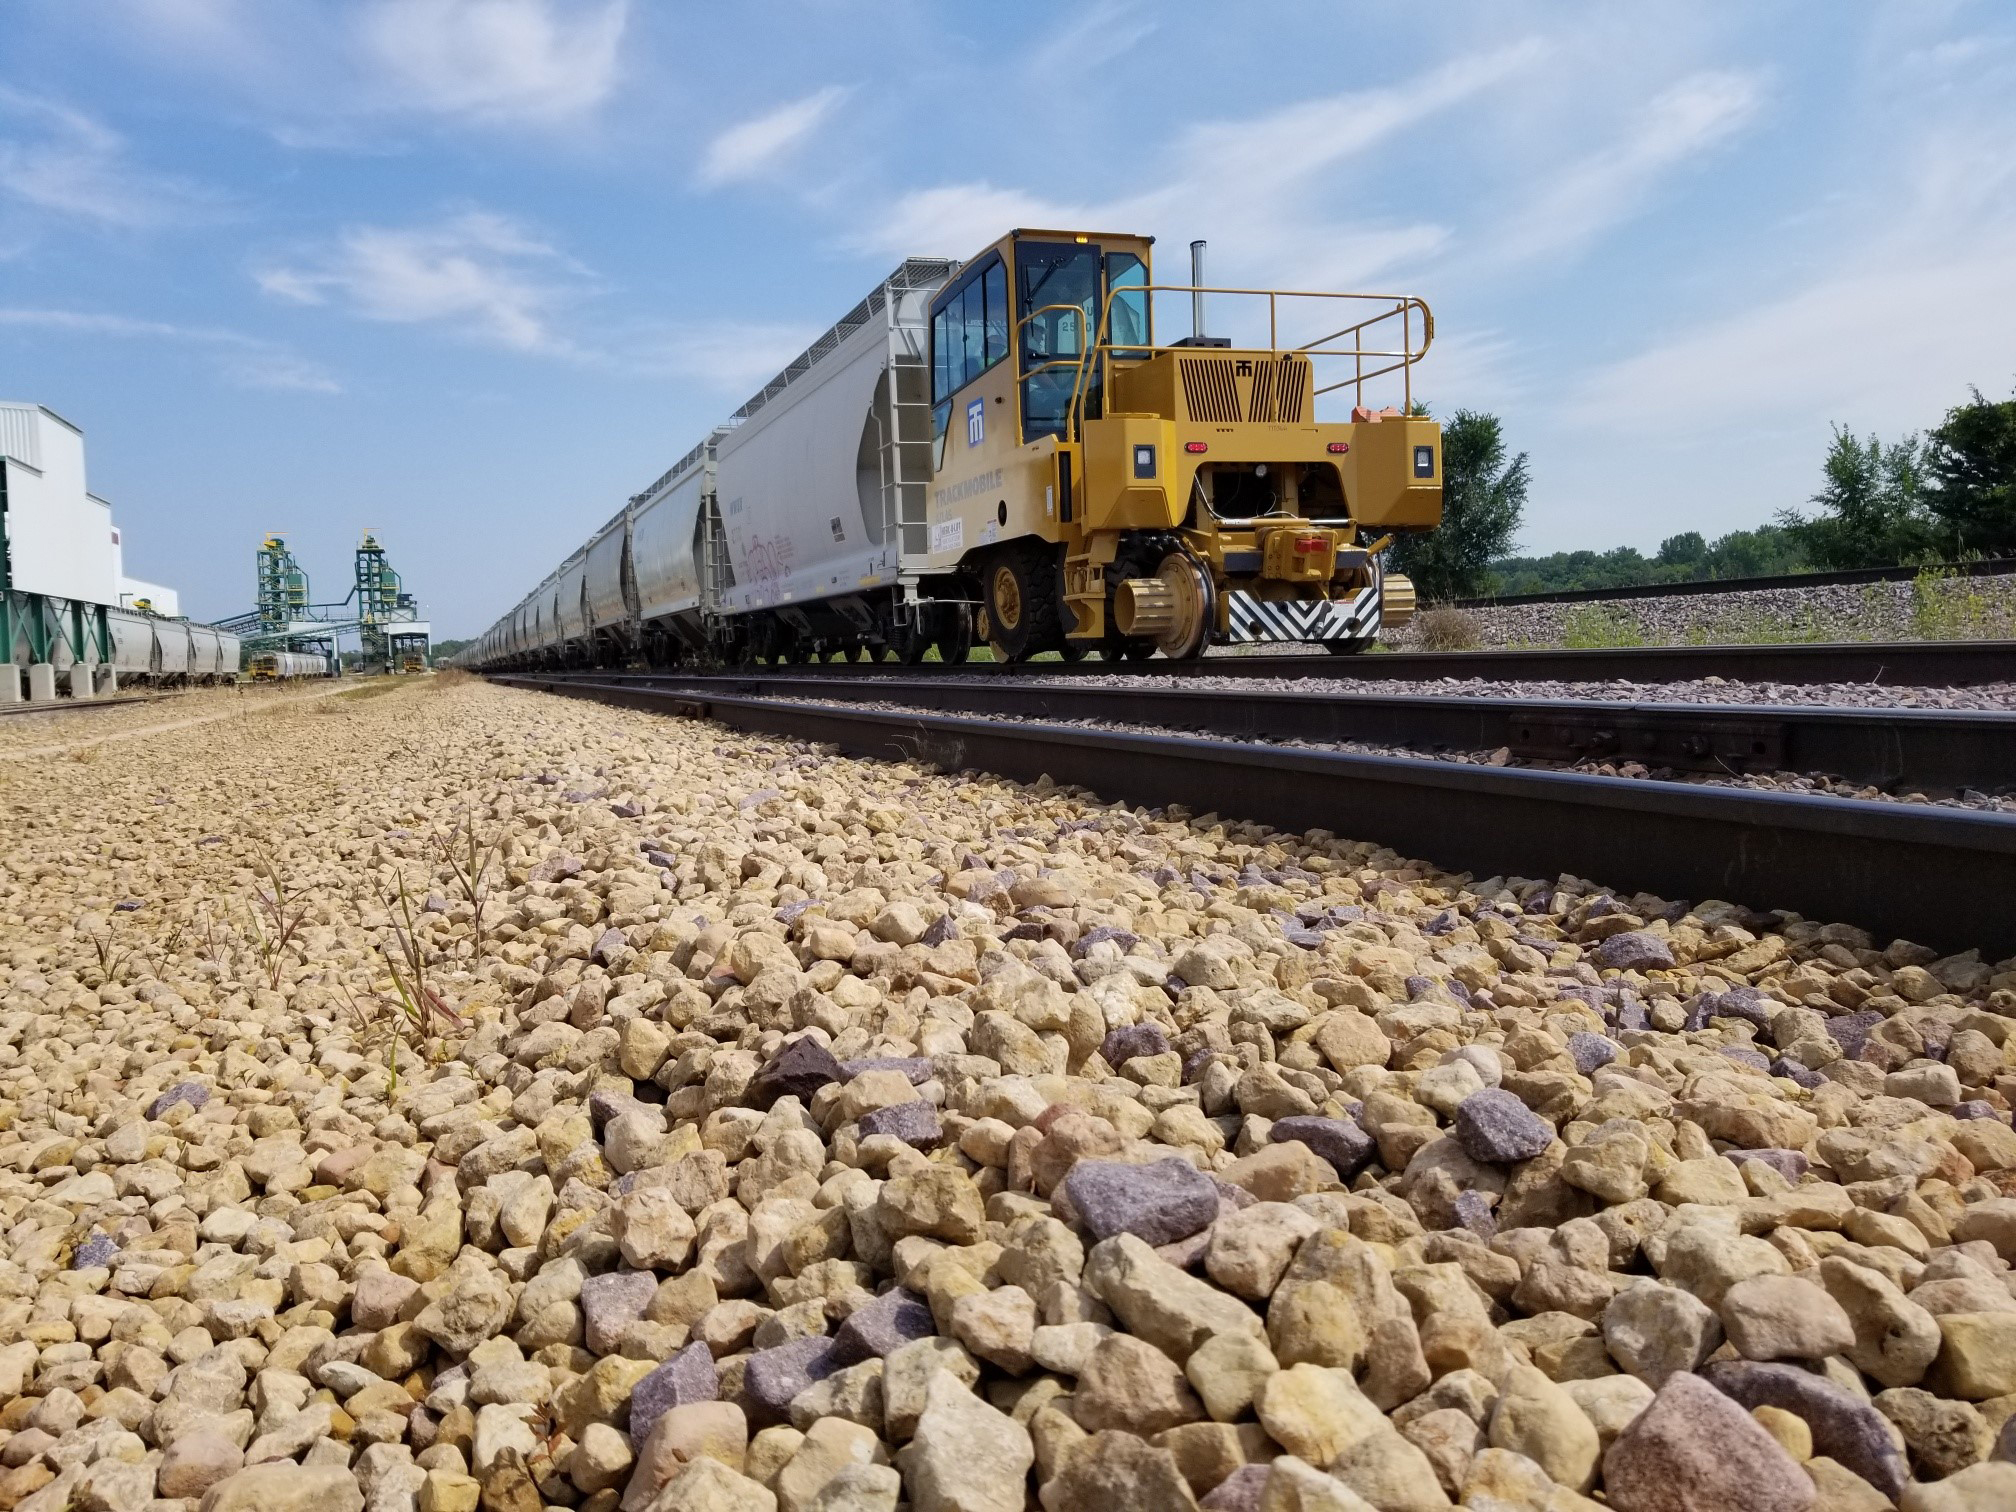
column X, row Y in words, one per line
column 1193, row 603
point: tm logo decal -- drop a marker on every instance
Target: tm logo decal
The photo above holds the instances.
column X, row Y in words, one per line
column 976, row 422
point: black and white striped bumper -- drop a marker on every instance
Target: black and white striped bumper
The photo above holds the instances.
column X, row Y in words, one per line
column 1254, row 619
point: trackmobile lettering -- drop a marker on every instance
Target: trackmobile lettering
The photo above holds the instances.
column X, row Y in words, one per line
column 981, row 483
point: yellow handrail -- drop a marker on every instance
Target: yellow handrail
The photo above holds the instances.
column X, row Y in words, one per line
column 1401, row 307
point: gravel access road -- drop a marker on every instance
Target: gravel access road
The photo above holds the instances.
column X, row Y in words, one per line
column 470, row 1098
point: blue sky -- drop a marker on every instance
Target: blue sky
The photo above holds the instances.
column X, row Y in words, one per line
column 469, row 272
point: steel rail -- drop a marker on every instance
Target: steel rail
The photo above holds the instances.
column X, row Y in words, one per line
column 1884, row 748
column 1942, row 877
column 72, row 705
column 1902, row 664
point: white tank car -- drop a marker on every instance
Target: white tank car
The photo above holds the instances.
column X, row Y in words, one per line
column 606, row 590
column 205, row 654
column 132, row 645
column 666, row 522
column 176, row 653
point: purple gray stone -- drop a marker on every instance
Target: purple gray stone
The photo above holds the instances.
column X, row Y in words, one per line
column 1591, row 1051
column 1630, row 1014
column 1495, row 1127
column 609, row 944
column 939, row 931
column 1695, row 1450
column 1851, row 1030
column 881, row 1327
column 1419, row 986
column 1974, row 1107
column 193, row 1093
column 1791, row 1164
column 798, row 1070
column 1098, row 935
column 1472, row 1211
column 1793, row 1070
column 1745, row 1003
column 1129, row 1040
column 1238, row 1492
column 686, row 1378
column 1634, row 950
column 1159, row 1203
column 914, row 1122
column 611, row 1302
column 1853, row 1433
column 1743, row 1055
column 97, row 1250
column 774, row 1376
column 1339, row 1141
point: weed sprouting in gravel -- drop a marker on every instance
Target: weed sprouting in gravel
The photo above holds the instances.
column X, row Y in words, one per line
column 1948, row 606
column 1597, row 626
column 471, row 861
column 277, row 916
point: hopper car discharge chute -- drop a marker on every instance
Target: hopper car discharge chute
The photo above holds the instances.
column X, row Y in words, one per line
column 1009, row 451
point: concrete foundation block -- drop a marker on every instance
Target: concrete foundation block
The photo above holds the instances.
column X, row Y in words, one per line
column 41, row 682
column 81, row 679
column 108, row 681
column 10, row 683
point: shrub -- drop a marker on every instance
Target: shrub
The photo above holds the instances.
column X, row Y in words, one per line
column 1446, row 629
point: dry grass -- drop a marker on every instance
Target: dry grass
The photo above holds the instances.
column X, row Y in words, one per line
column 1446, row 629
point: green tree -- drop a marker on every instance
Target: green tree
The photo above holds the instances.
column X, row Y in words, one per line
column 1970, row 460
column 1689, row 550
column 1872, row 505
column 1483, row 500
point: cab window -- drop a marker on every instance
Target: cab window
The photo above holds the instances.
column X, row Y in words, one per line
column 969, row 334
column 1127, row 284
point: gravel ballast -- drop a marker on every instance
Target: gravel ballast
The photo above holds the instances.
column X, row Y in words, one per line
column 789, row 1132
column 1933, row 608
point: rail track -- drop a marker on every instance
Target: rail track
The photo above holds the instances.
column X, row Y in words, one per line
column 1901, row 749
column 1940, row 876
column 73, row 705
column 1907, row 664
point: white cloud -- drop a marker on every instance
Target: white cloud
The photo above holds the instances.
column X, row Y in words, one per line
column 755, row 147
column 1244, row 185
column 496, row 60
column 1105, row 31
column 247, row 361
column 1864, row 344
column 1693, row 117
column 730, row 355
column 957, row 220
column 475, row 272
column 61, row 161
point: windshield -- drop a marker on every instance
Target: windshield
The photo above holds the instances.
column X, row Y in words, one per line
column 1065, row 278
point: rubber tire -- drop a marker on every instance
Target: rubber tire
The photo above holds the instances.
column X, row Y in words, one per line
column 1073, row 650
column 1038, row 626
column 1348, row 647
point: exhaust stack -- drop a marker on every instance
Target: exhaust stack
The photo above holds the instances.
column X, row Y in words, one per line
column 1197, row 293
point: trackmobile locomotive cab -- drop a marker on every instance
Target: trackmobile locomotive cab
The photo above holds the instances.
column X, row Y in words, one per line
column 1010, row 450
